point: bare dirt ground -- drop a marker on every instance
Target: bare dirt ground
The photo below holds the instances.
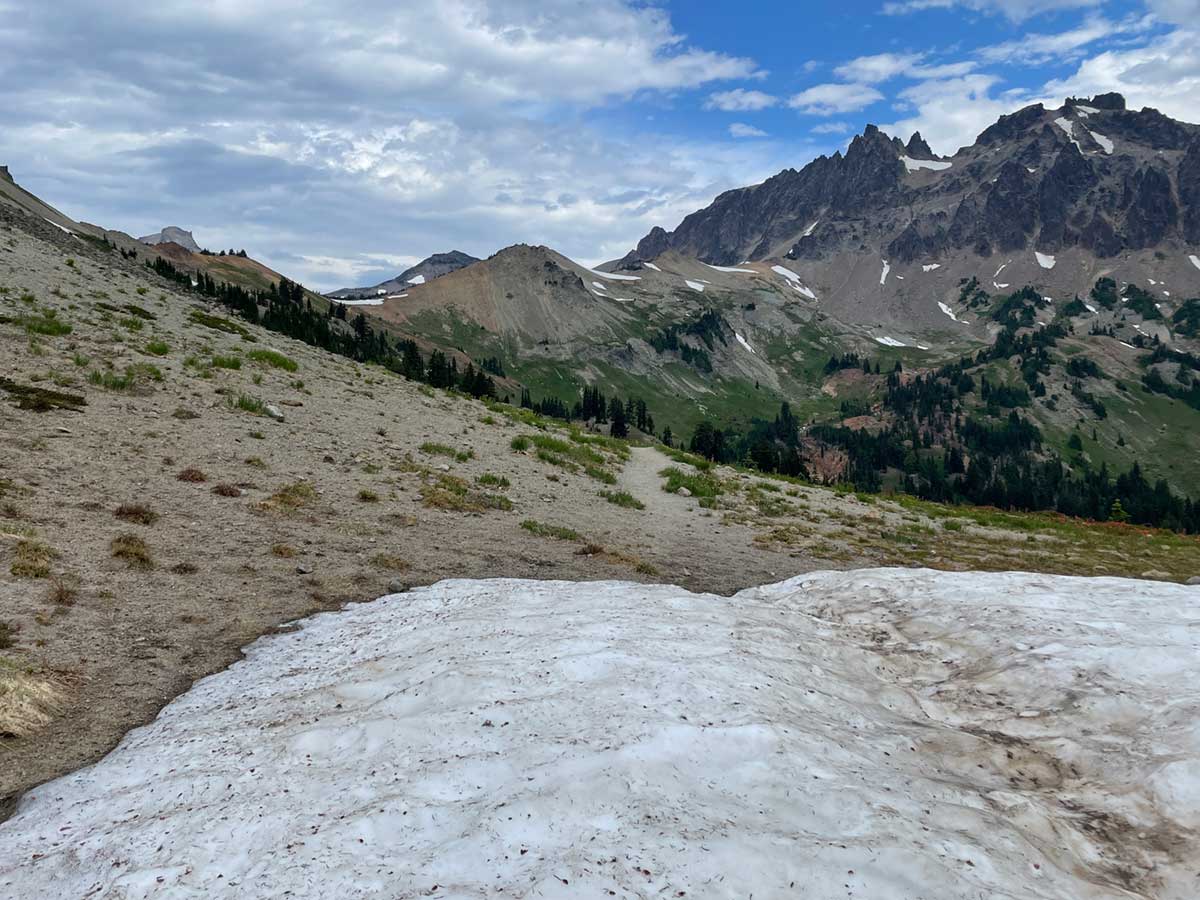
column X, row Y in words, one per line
column 236, row 523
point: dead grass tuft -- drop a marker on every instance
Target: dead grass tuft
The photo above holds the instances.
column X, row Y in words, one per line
column 27, row 699
column 390, row 562
column 137, row 513
column 184, row 568
column 192, row 474
column 227, row 490
column 62, row 591
column 32, row 559
column 133, row 550
column 290, row 497
column 283, row 551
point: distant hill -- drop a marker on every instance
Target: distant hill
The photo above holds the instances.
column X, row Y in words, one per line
column 173, row 235
column 426, row 270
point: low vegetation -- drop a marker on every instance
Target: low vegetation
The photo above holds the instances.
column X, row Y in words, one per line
column 132, row 550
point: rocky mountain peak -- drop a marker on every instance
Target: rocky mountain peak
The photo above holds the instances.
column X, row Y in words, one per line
column 917, row 148
column 173, row 235
column 4, row 174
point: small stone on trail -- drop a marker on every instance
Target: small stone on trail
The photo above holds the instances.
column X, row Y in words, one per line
column 303, row 569
column 684, row 492
column 273, row 412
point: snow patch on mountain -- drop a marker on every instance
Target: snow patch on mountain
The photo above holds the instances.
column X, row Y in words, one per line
column 948, row 311
column 730, row 269
column 615, row 276
column 929, row 267
column 1105, row 143
column 934, row 165
column 1195, row 261
column 694, row 285
column 887, row 267
column 651, row 265
column 741, row 340
column 1045, row 260
column 890, row 342
column 417, row 279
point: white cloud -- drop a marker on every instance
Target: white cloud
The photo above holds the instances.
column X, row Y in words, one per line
column 829, row 99
column 740, row 100
column 832, row 128
column 951, row 113
column 877, row 68
column 742, row 130
column 392, row 130
column 1016, row 10
column 1164, row 74
column 1061, row 46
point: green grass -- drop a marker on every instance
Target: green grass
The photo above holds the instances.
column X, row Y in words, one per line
column 434, row 449
column 489, row 480
column 623, row 499
column 47, row 324
column 158, row 348
column 700, row 484
column 218, row 323
column 521, row 443
column 247, row 403
column 557, row 532
column 226, row 362
column 136, row 374
column 274, row 359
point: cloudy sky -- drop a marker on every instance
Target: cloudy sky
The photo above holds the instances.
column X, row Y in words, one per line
column 340, row 141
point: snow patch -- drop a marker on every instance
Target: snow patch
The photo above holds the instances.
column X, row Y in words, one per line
column 694, row 285
column 890, row 342
column 599, row 285
column 934, row 165
column 794, row 280
column 1090, row 308
column 63, row 228
column 1195, row 261
column 699, row 745
column 1130, row 346
column 652, row 266
column 1088, row 110
column 1105, row 143
column 948, row 311
column 730, row 269
column 614, row 276
column 887, row 267
column 741, row 340
column 417, row 279
column 1000, row 285
column 931, row 267
column 1045, row 260
column 370, row 301
column 809, row 230
column 1069, row 127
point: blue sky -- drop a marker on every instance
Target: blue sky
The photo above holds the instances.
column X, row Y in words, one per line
column 342, row 141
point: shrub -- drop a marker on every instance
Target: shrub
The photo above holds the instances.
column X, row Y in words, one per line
column 192, row 474
column 133, row 550
column 6, row 636
column 273, row 359
column 367, row 496
column 227, row 490
column 137, row 513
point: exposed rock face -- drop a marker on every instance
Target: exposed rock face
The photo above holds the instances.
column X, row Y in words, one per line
column 173, row 235
column 4, row 173
column 1090, row 174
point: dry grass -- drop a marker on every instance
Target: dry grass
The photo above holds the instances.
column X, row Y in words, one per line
column 290, row 497
column 283, row 551
column 62, row 592
column 227, row 490
column 133, row 550
column 32, row 560
column 27, row 699
column 390, row 563
column 192, row 474
column 184, row 568
column 137, row 513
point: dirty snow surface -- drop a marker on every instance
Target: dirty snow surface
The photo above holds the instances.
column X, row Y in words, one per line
column 1045, row 260
column 888, row 733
